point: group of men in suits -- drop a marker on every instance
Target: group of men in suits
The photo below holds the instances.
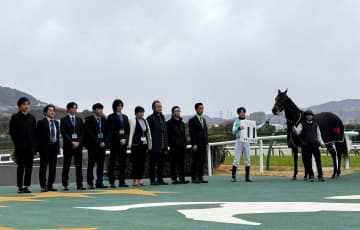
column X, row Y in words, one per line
column 98, row 133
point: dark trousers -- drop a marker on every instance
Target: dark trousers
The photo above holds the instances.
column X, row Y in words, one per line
column 178, row 163
column 95, row 156
column 198, row 163
column 48, row 159
column 68, row 155
column 138, row 157
column 24, row 162
column 118, row 154
column 157, row 160
column 308, row 151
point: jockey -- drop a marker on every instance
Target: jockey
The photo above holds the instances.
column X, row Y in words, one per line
column 242, row 147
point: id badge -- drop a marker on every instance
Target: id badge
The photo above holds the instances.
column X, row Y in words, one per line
column 121, row 132
column 100, row 136
column 74, row 136
column 143, row 140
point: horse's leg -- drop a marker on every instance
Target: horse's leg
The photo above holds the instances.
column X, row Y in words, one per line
column 332, row 152
column 339, row 152
column 295, row 155
column 306, row 170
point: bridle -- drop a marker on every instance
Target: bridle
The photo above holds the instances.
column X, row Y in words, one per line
column 281, row 108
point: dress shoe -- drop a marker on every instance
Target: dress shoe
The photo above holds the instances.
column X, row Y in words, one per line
column 20, row 190
column 101, row 186
column 123, row 185
column 195, row 182
column 52, row 189
column 184, row 182
column 154, row 183
column 81, row 188
column 43, row 189
column 321, row 179
column 66, row 188
column 175, row 182
column 27, row 190
column 112, row 186
column 204, row 181
column 91, row 187
column 162, row 182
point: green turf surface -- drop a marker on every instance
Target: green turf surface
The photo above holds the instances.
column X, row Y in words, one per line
column 288, row 161
column 59, row 212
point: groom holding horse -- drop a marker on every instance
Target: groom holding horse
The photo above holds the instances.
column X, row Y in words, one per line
column 310, row 136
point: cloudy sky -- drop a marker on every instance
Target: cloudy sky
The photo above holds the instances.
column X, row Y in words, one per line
column 223, row 53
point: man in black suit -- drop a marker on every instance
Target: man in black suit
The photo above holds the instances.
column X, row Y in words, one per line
column 119, row 132
column 159, row 149
column 71, row 128
column 199, row 140
column 177, row 143
column 48, row 131
column 23, row 134
column 95, row 141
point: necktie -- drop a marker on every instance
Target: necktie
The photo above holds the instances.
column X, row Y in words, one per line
column 52, row 131
column 99, row 124
column 121, row 118
column 202, row 122
column 73, row 121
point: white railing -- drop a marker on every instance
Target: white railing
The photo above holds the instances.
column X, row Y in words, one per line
column 261, row 140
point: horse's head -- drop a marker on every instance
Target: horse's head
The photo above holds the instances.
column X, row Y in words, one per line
column 281, row 101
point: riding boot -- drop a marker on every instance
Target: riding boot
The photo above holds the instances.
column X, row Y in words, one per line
column 233, row 174
column 247, row 174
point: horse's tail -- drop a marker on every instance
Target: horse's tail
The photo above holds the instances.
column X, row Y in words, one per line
column 344, row 147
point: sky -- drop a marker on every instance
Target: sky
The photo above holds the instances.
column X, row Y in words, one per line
column 225, row 54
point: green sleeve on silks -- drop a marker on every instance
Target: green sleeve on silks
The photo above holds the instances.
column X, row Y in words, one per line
column 262, row 125
column 236, row 127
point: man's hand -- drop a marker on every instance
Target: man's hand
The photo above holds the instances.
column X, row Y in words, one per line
column 75, row 144
column 122, row 141
column 102, row 145
column 194, row 148
column 242, row 127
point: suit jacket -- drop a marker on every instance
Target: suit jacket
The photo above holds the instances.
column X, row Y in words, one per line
column 43, row 136
column 67, row 129
column 91, row 131
column 23, row 132
column 198, row 133
column 158, row 132
column 114, row 127
column 176, row 133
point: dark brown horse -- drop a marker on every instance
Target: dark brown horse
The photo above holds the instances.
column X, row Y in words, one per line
column 331, row 127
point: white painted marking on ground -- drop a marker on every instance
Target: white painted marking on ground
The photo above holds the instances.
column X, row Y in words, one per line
column 227, row 210
column 349, row 197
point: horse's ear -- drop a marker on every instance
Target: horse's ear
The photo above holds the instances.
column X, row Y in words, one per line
column 279, row 91
column 285, row 92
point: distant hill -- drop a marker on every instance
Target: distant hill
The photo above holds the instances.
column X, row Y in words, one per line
column 9, row 97
column 348, row 110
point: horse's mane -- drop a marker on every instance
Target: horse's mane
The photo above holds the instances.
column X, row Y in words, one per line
column 292, row 112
